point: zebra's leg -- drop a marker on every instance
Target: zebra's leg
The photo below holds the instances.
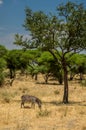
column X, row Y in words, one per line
column 33, row 105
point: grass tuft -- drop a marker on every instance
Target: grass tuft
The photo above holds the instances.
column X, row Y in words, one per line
column 43, row 113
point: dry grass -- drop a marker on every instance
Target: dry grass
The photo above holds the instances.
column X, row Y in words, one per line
column 53, row 116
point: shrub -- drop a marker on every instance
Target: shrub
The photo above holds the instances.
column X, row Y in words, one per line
column 43, row 113
column 56, row 92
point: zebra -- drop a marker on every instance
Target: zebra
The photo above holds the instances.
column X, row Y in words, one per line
column 32, row 99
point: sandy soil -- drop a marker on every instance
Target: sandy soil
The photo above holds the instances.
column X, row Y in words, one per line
column 53, row 116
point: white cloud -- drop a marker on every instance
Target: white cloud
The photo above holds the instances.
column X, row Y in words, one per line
column 8, row 39
column 1, row 1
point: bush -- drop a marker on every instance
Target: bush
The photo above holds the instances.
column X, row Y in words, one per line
column 43, row 113
column 56, row 92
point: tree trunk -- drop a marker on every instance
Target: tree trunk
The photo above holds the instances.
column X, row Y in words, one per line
column 81, row 76
column 12, row 73
column 65, row 96
column 46, row 78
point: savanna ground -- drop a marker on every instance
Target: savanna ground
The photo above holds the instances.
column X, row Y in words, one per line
column 53, row 116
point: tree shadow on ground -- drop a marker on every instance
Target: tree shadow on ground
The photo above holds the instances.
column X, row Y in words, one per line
column 53, row 83
column 71, row 103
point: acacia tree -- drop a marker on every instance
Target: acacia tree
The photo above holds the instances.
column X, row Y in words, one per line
column 29, row 63
column 62, row 34
column 49, row 68
column 77, row 65
column 13, row 62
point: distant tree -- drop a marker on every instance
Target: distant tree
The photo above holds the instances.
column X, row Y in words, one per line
column 77, row 65
column 13, row 62
column 29, row 62
column 48, row 67
column 61, row 34
column 26, row 60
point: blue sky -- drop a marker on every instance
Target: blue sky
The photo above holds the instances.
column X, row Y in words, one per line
column 12, row 16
